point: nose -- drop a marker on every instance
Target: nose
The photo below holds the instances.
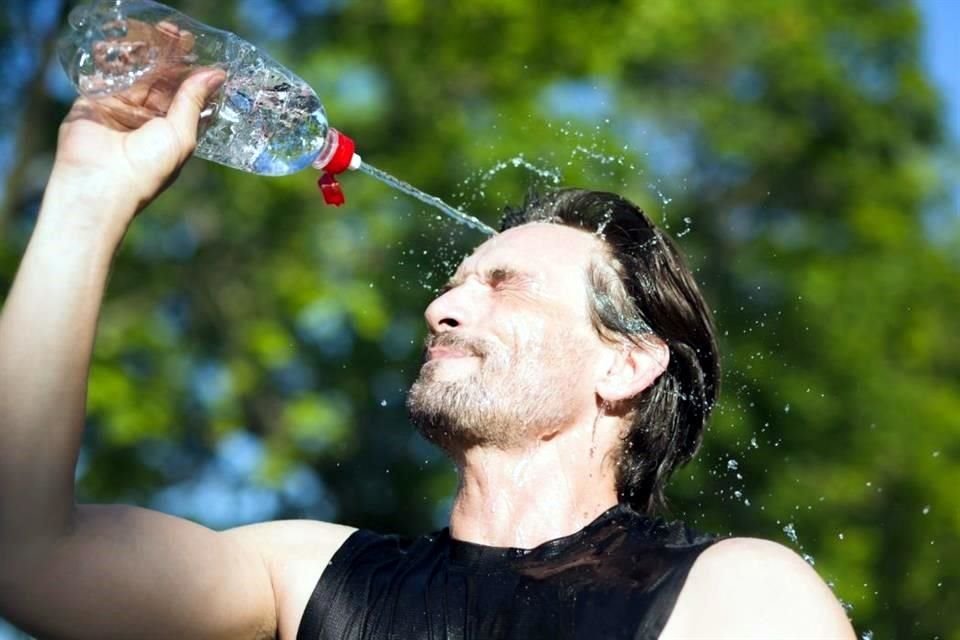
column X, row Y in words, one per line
column 449, row 310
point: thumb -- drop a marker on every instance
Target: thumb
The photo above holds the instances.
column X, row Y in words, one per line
column 184, row 111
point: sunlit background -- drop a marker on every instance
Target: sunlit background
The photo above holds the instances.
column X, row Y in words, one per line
column 255, row 346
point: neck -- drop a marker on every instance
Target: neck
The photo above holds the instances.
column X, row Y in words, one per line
column 525, row 497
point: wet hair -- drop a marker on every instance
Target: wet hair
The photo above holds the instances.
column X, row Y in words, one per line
column 642, row 288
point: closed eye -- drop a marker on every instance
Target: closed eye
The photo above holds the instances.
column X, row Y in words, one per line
column 499, row 276
column 502, row 277
column 495, row 278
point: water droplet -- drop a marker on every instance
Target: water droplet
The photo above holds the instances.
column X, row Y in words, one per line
column 926, row 510
column 791, row 532
column 732, row 464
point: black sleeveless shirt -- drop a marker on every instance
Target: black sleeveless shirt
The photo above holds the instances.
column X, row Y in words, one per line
column 618, row 577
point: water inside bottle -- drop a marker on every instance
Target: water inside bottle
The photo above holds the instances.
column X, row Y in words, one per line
column 268, row 121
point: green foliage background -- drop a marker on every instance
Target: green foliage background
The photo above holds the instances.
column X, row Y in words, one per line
column 255, row 346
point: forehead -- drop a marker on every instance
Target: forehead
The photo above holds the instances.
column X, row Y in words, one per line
column 549, row 251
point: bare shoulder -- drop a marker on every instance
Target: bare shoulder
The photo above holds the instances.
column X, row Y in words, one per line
column 752, row 588
column 295, row 553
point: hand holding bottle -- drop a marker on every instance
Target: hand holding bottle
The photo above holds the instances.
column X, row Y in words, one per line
column 159, row 55
column 125, row 161
column 265, row 120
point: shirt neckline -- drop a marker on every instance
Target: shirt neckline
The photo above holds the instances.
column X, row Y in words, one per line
column 475, row 555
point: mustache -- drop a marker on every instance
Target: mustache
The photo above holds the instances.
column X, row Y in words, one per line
column 449, row 340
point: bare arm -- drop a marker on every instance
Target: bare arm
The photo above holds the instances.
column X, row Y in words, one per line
column 746, row 588
column 71, row 571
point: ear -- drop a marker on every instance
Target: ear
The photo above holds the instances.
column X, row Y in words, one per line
column 632, row 369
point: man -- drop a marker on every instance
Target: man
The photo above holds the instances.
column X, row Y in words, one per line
column 570, row 367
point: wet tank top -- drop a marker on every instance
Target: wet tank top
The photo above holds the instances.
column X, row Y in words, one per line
column 618, row 577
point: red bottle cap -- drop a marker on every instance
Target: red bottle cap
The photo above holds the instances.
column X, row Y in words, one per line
column 338, row 163
column 330, row 188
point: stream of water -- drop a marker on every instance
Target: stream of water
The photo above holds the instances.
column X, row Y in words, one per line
column 426, row 198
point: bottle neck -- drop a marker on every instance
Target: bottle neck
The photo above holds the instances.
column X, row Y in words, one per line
column 337, row 154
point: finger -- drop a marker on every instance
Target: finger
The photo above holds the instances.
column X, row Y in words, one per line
column 122, row 114
column 159, row 98
column 168, row 28
column 170, row 49
column 139, row 30
column 169, row 36
column 186, row 42
column 162, row 86
column 163, row 89
column 184, row 112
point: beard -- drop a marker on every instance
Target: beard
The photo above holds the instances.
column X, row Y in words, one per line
column 507, row 401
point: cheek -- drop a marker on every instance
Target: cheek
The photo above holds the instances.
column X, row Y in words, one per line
column 546, row 340
column 548, row 350
column 529, row 337
column 573, row 352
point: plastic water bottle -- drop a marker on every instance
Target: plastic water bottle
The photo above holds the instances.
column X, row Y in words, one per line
column 130, row 56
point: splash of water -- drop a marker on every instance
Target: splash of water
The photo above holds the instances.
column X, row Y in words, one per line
column 426, row 198
column 602, row 158
column 476, row 185
column 519, row 161
column 791, row 532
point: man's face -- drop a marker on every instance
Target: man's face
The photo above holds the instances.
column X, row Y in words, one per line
column 511, row 352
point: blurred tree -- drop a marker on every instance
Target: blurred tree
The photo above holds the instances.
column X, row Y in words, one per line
column 255, row 347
